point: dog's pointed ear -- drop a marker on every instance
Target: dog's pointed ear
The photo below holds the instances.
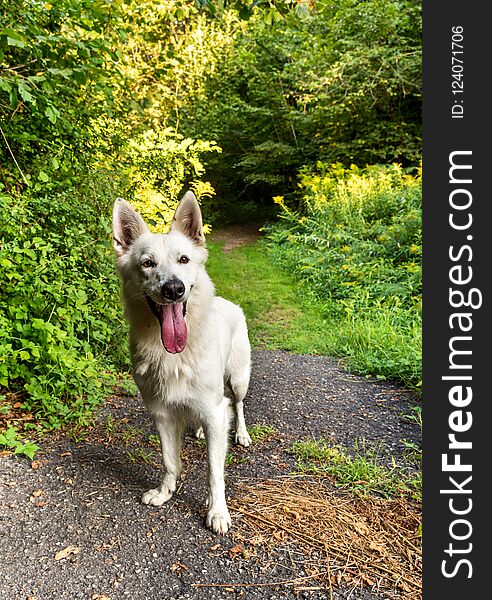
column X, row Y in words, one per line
column 128, row 225
column 188, row 219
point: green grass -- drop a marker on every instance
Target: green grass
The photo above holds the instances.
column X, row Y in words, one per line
column 130, row 433
column 283, row 313
column 362, row 473
column 154, row 441
column 139, row 456
column 233, row 458
column 356, row 244
column 277, row 315
column 259, row 433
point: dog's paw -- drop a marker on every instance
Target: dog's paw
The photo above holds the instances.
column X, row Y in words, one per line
column 199, row 434
column 219, row 521
column 156, row 497
column 243, row 438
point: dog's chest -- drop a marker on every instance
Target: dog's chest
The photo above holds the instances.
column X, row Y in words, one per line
column 176, row 380
column 179, row 384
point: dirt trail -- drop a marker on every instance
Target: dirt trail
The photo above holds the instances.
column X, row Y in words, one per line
column 85, row 494
column 234, row 236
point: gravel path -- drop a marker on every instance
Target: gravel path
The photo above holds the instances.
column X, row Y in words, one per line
column 85, row 493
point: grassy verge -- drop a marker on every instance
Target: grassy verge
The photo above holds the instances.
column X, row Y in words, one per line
column 278, row 312
column 283, row 312
column 361, row 473
column 355, row 242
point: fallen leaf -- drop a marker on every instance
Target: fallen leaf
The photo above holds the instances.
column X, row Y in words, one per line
column 366, row 579
column 238, row 549
column 178, row 567
column 377, row 547
column 360, row 527
column 36, row 464
column 37, row 493
column 99, row 597
column 66, row 552
column 215, row 547
column 41, row 504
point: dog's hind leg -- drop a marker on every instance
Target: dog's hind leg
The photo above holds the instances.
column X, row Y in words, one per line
column 242, row 436
column 240, row 368
column 216, row 427
column 170, row 428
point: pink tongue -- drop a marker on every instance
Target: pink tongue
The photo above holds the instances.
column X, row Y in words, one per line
column 174, row 331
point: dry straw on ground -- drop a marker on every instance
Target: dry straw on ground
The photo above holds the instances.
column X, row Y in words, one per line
column 351, row 541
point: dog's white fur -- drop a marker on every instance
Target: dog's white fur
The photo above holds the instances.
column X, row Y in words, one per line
column 188, row 386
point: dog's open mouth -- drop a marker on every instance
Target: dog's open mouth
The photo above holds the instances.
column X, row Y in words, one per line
column 174, row 332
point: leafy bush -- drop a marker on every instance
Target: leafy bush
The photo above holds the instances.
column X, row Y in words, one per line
column 160, row 162
column 52, row 55
column 61, row 323
column 64, row 161
column 59, row 306
column 338, row 83
column 357, row 246
column 361, row 230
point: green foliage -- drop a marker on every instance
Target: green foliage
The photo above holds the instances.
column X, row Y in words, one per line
column 359, row 231
column 137, row 98
column 259, row 432
column 10, row 440
column 272, row 9
column 378, row 340
column 51, row 55
column 59, row 304
column 161, row 161
column 362, row 473
column 357, row 245
column 339, row 83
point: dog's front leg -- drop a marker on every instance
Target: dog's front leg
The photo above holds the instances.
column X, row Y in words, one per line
column 216, row 433
column 170, row 430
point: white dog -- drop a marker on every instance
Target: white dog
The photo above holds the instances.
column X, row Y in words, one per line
column 187, row 344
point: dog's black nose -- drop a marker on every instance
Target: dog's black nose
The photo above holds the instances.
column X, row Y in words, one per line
column 173, row 290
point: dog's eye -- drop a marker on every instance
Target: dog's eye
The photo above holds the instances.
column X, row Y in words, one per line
column 147, row 264
column 184, row 260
